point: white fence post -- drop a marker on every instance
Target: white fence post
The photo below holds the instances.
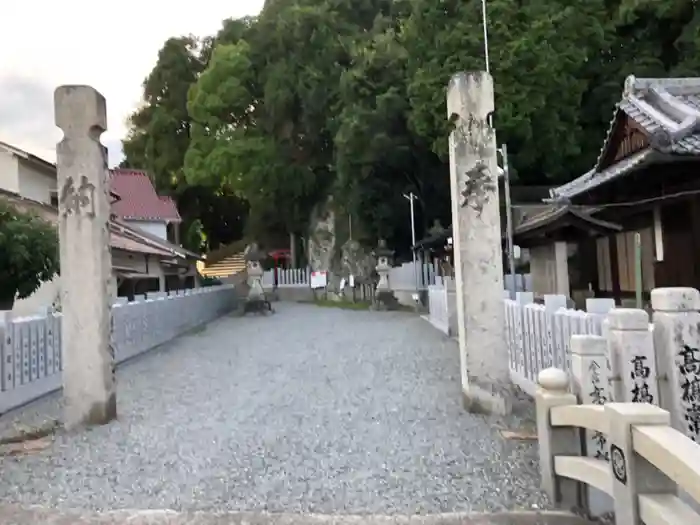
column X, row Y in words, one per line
column 677, row 342
column 552, row 304
column 554, row 441
column 632, row 357
column 590, row 383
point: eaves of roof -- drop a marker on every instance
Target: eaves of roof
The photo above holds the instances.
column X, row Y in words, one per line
column 667, row 109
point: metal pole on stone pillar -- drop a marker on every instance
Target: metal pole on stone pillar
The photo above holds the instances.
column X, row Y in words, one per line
column 411, row 197
column 509, row 220
column 486, row 36
column 86, row 262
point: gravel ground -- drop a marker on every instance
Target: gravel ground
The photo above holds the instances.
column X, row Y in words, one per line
column 310, row 410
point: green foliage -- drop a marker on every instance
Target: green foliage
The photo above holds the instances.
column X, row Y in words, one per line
column 348, row 98
column 28, row 253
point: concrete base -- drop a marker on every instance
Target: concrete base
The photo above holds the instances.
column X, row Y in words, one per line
column 34, row 515
column 480, row 400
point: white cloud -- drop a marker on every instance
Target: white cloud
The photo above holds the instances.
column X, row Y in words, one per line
column 110, row 46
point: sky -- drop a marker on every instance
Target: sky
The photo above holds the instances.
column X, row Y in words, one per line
column 111, row 46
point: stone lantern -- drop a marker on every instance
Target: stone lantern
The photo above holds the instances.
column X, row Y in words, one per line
column 383, row 255
column 253, row 257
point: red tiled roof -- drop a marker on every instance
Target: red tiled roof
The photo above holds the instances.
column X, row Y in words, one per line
column 138, row 198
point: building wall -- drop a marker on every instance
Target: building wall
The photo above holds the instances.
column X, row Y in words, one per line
column 36, row 182
column 543, row 267
column 157, row 228
column 9, row 171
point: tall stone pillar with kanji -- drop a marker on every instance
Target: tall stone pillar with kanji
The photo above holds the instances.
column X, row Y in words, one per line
column 476, row 225
column 86, row 262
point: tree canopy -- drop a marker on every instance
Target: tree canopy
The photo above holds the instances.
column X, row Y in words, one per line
column 329, row 97
column 28, row 254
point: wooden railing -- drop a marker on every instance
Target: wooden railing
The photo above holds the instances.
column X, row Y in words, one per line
column 652, row 467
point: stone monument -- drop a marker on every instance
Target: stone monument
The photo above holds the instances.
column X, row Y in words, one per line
column 256, row 300
column 86, row 263
column 476, row 225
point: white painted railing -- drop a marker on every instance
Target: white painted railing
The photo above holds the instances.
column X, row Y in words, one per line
column 538, row 336
column 30, row 347
column 649, row 463
column 438, row 308
column 287, row 278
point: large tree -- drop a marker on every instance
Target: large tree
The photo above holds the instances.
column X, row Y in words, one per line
column 160, row 135
column 341, row 98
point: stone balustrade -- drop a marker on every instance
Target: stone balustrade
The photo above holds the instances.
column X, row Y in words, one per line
column 653, row 472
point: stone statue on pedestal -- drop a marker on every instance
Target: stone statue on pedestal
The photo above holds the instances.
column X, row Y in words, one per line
column 256, row 301
column 384, row 297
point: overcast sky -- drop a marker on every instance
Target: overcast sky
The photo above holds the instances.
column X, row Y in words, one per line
column 111, row 46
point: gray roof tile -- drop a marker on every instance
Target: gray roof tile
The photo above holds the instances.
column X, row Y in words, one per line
column 641, row 102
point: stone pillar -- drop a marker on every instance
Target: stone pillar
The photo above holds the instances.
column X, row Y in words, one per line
column 632, row 475
column 86, row 262
column 561, row 261
column 555, row 441
column 476, row 230
column 591, row 385
column 162, row 287
column 677, row 344
column 632, row 358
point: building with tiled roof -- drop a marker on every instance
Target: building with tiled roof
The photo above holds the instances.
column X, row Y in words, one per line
column 143, row 257
column 138, row 198
column 140, row 206
column 656, row 121
column 642, row 196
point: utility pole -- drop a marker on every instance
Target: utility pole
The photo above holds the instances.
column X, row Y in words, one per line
column 411, row 197
column 509, row 218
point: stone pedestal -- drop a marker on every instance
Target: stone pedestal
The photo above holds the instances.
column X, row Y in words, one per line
column 86, row 262
column 477, row 245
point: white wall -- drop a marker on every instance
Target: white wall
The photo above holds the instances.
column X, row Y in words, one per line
column 36, row 182
column 9, row 170
column 158, row 228
column 39, row 300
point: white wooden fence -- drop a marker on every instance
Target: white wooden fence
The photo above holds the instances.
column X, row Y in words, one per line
column 538, row 335
column 287, row 278
column 31, row 350
column 442, row 307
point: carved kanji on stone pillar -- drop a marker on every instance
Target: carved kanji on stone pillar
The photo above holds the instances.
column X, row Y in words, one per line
column 86, row 262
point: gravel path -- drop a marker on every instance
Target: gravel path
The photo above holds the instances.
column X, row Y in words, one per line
column 310, row 410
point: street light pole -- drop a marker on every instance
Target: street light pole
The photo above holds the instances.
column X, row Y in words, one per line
column 411, row 197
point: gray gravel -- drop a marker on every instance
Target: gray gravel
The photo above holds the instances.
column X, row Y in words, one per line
column 310, row 410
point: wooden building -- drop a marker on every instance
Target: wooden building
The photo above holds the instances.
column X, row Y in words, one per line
column 646, row 181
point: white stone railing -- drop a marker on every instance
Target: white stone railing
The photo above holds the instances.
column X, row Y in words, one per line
column 31, row 351
column 652, row 471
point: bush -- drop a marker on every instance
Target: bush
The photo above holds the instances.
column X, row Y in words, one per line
column 28, row 254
